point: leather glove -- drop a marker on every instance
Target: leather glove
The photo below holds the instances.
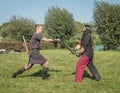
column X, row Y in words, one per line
column 74, row 50
column 78, row 54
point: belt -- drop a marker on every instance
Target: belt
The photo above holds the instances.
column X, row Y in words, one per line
column 35, row 48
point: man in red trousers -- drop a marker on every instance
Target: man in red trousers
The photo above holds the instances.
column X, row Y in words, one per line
column 86, row 55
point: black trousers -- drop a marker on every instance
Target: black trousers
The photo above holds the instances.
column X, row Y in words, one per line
column 93, row 70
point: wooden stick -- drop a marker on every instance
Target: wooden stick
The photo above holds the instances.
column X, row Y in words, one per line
column 25, row 44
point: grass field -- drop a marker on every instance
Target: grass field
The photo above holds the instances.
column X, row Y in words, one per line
column 61, row 74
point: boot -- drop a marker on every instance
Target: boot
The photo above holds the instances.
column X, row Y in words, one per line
column 18, row 72
column 44, row 73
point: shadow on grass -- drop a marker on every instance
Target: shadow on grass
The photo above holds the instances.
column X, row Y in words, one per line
column 53, row 70
column 36, row 74
column 39, row 73
column 86, row 74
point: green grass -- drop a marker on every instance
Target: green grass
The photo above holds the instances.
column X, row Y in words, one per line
column 62, row 69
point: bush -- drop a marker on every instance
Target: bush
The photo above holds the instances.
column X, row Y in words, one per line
column 12, row 46
column 21, row 46
column 47, row 45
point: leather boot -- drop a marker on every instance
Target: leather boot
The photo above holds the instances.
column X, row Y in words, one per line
column 44, row 73
column 18, row 72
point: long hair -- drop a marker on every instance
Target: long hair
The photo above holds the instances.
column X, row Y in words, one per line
column 88, row 28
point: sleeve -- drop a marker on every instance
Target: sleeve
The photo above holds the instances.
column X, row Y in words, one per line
column 38, row 37
column 85, row 41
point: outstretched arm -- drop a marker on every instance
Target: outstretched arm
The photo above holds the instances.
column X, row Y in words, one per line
column 50, row 40
column 47, row 39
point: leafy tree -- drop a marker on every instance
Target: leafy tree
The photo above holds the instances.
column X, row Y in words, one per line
column 76, row 35
column 59, row 23
column 16, row 28
column 4, row 30
column 107, row 20
column 78, row 27
column 22, row 26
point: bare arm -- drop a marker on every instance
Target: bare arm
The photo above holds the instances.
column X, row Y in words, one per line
column 78, row 46
column 47, row 39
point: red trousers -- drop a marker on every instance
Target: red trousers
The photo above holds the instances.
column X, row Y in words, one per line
column 80, row 67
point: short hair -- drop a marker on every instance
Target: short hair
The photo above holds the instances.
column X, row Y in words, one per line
column 36, row 25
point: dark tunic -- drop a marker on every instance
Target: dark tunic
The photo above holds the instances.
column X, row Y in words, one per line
column 87, row 45
column 36, row 57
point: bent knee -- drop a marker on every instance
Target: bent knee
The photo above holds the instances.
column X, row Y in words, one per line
column 27, row 66
column 45, row 64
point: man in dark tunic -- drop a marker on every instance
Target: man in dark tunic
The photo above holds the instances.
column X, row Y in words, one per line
column 34, row 56
column 86, row 56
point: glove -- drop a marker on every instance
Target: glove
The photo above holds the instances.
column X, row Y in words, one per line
column 56, row 40
column 78, row 54
column 74, row 50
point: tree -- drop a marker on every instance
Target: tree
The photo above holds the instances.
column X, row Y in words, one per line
column 107, row 20
column 16, row 28
column 77, row 35
column 59, row 23
column 4, row 30
column 22, row 26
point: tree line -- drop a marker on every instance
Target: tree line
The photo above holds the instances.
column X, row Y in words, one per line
column 59, row 23
column 107, row 21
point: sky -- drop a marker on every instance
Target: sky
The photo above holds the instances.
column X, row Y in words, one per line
column 36, row 10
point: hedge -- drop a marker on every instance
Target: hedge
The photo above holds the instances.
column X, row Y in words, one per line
column 21, row 46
